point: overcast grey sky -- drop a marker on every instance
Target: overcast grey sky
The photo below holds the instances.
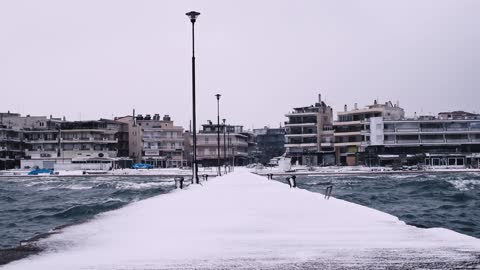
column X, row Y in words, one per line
column 90, row 59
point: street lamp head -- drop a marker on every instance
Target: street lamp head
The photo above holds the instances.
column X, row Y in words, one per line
column 224, row 120
column 193, row 16
column 218, row 96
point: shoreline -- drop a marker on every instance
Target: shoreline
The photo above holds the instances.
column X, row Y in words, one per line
column 212, row 173
column 315, row 173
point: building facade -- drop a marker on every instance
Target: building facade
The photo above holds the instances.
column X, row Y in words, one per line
column 155, row 140
column 11, row 147
column 353, row 126
column 234, row 145
column 430, row 141
column 270, row 143
column 309, row 135
column 63, row 144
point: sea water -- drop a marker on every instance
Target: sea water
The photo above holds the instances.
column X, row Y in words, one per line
column 32, row 206
column 448, row 200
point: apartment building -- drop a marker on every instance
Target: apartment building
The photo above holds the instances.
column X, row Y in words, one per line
column 12, row 126
column 270, row 143
column 309, row 134
column 11, row 147
column 352, row 129
column 450, row 139
column 155, row 140
column 72, row 145
column 234, row 145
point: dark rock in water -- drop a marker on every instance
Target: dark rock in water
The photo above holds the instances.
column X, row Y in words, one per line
column 17, row 253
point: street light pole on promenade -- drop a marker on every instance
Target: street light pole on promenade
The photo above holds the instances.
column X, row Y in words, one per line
column 193, row 18
column 228, row 148
column 218, row 135
column 224, row 146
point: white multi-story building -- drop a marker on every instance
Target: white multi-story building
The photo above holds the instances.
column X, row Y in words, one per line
column 309, row 134
column 433, row 141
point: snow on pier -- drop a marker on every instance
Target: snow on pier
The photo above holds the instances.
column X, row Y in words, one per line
column 245, row 221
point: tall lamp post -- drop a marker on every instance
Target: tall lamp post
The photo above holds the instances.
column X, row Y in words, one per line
column 228, row 148
column 193, row 18
column 224, row 146
column 218, row 134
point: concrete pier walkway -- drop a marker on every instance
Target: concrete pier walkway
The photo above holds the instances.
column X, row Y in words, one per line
column 245, row 221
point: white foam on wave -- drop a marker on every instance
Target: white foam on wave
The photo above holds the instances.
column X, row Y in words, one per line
column 464, row 184
column 144, row 185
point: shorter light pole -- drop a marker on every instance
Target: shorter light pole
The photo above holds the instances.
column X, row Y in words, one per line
column 228, row 148
column 218, row 135
column 233, row 158
column 224, row 147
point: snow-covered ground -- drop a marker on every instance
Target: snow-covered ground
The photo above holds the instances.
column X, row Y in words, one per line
column 245, row 221
column 137, row 172
column 354, row 170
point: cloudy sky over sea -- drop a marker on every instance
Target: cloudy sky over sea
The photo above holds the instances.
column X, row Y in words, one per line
column 92, row 59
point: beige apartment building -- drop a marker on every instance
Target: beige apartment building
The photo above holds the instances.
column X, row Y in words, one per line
column 234, row 145
column 155, row 140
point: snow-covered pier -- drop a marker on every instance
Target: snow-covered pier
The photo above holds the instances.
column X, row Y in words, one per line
column 245, row 221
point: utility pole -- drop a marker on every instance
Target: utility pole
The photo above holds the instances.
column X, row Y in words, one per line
column 218, row 135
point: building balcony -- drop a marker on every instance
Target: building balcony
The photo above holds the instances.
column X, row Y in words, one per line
column 347, row 123
column 40, row 141
column 163, row 139
column 433, row 141
column 457, row 129
column 10, row 139
column 163, row 148
column 337, row 144
column 432, row 129
column 407, row 129
column 90, row 140
column 215, row 144
column 465, row 140
column 301, row 145
column 351, row 133
column 72, row 140
column 302, row 113
column 408, row 141
column 327, row 144
column 311, row 124
column 301, row 135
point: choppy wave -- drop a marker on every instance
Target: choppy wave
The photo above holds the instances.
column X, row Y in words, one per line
column 32, row 206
